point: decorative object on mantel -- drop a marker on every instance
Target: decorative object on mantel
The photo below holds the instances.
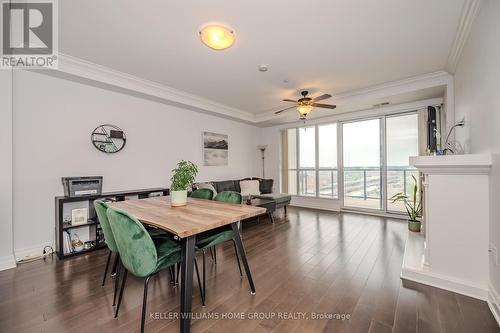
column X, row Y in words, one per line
column 454, row 147
column 215, row 149
column 413, row 206
column 108, row 138
column 262, row 149
column 182, row 179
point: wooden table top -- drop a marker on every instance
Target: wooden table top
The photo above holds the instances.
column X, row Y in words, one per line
column 197, row 216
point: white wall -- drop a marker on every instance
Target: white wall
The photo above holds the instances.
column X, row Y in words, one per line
column 6, row 254
column 477, row 97
column 53, row 119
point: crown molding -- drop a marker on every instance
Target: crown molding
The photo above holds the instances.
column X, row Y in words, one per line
column 469, row 14
column 79, row 70
column 76, row 69
column 429, row 80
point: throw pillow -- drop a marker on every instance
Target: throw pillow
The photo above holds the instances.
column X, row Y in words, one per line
column 266, row 186
column 249, row 187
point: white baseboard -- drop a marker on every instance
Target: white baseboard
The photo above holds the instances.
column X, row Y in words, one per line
column 413, row 269
column 432, row 279
column 315, row 203
column 7, row 262
column 494, row 302
column 31, row 251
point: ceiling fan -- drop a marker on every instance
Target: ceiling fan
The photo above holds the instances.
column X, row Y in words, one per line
column 306, row 104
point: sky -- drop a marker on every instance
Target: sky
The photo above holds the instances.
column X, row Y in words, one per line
column 361, row 142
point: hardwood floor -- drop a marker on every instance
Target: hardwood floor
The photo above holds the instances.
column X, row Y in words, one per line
column 308, row 264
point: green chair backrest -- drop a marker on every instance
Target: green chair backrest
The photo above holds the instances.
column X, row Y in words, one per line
column 137, row 250
column 203, row 193
column 100, row 208
column 229, row 197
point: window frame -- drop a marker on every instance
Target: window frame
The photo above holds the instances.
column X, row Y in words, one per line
column 298, row 169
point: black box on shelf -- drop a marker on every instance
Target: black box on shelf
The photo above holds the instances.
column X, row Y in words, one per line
column 82, row 186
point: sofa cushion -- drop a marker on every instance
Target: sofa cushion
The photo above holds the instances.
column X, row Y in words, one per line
column 278, row 197
column 249, row 187
column 266, row 186
column 226, row 185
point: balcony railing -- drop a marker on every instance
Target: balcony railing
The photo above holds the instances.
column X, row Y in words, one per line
column 362, row 183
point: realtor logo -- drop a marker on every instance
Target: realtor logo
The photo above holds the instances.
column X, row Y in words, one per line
column 29, row 34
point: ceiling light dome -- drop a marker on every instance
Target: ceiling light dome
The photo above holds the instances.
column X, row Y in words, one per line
column 217, row 37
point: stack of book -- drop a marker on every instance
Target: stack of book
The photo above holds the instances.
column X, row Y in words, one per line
column 68, row 248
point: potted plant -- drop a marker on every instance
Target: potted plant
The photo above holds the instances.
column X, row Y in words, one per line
column 413, row 206
column 182, row 178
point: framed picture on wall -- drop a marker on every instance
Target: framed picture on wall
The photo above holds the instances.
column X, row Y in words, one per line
column 215, row 149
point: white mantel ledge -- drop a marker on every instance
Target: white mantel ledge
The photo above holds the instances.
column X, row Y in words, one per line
column 467, row 164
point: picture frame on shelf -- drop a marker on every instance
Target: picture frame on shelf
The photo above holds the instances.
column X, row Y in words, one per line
column 79, row 216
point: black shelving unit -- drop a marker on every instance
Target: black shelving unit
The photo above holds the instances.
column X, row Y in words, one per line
column 95, row 233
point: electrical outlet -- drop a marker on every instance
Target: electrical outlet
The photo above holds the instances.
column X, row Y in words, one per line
column 494, row 253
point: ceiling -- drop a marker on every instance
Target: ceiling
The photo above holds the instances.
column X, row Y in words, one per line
column 333, row 46
column 359, row 104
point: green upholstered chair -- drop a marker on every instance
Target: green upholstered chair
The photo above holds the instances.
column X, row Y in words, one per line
column 229, row 197
column 101, row 207
column 139, row 254
column 211, row 238
column 203, row 193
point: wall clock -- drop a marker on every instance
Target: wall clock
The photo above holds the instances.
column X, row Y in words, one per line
column 108, row 138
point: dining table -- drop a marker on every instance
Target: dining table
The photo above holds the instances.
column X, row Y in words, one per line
column 186, row 222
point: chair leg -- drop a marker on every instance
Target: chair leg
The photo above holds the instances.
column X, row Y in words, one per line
column 115, row 264
column 204, row 279
column 284, row 207
column 171, row 271
column 202, row 292
column 121, row 292
column 237, row 258
column 144, row 302
column 178, row 271
column 106, row 269
column 117, row 281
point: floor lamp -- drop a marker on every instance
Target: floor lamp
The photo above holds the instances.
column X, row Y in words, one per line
column 262, row 149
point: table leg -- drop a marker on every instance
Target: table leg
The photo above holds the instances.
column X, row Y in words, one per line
column 187, row 260
column 241, row 250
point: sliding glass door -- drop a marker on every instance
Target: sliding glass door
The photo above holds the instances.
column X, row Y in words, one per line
column 401, row 142
column 372, row 154
column 362, row 167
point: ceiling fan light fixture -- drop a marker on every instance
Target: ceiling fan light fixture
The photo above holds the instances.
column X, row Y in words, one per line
column 304, row 110
column 217, row 37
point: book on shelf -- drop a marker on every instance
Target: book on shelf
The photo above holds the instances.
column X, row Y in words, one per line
column 67, row 248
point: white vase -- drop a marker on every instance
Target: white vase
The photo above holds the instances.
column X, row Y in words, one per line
column 178, row 198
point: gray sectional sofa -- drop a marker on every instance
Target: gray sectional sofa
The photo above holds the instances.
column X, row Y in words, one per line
column 265, row 188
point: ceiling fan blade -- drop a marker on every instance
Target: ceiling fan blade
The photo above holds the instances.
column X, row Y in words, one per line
column 326, row 106
column 289, row 100
column 322, row 97
column 288, row 108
